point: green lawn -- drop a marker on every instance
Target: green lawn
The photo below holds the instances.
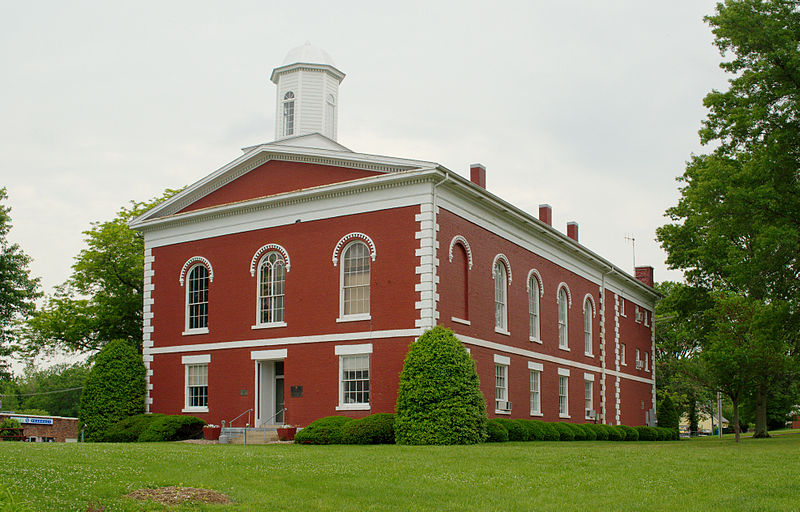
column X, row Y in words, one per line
column 702, row 474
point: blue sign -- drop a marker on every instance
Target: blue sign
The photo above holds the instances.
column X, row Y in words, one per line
column 33, row 421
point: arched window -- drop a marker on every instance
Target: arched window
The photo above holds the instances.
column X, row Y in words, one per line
column 533, row 308
column 330, row 115
column 563, row 303
column 197, row 298
column 355, row 280
column 460, row 284
column 500, row 296
column 587, row 327
column 271, row 286
column 288, row 113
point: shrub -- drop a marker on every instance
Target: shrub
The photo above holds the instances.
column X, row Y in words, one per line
column 631, row 434
column 577, row 432
column 439, row 400
column 590, row 433
column 565, row 432
column 600, row 432
column 647, row 433
column 549, row 431
column 113, row 390
column 496, row 432
column 172, row 428
column 516, row 432
column 533, row 430
column 615, row 433
column 129, row 429
column 373, row 429
column 327, row 430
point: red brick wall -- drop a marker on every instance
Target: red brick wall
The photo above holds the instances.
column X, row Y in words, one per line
column 311, row 308
column 275, row 177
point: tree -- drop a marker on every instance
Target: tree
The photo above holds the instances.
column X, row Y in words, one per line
column 102, row 299
column 439, row 400
column 18, row 290
column 737, row 224
column 55, row 390
column 115, row 388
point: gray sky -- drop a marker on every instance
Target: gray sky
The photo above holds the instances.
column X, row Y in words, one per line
column 592, row 107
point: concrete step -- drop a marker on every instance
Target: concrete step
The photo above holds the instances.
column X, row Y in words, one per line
column 254, row 435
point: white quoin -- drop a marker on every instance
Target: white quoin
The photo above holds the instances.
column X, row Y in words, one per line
column 307, row 99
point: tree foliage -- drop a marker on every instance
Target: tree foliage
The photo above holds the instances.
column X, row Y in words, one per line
column 439, row 400
column 103, row 298
column 18, row 290
column 736, row 227
column 55, row 390
column 114, row 389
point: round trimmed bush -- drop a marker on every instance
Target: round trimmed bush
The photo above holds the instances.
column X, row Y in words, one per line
column 578, row 432
column 374, row 429
column 631, row 434
column 565, row 432
column 114, row 389
column 327, row 430
column 516, row 432
column 647, row 433
column 549, row 431
column 600, row 433
column 616, row 433
column 496, row 432
column 172, row 428
column 590, row 433
column 439, row 400
column 533, row 430
column 129, row 429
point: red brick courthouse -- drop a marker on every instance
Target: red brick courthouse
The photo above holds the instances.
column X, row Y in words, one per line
column 296, row 277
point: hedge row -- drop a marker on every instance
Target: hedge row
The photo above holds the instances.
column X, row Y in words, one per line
column 146, row 428
column 503, row 429
column 379, row 429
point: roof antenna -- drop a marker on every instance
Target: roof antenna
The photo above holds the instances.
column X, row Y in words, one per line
column 632, row 240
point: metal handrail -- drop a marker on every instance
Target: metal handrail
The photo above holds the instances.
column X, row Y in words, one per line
column 273, row 416
column 248, row 411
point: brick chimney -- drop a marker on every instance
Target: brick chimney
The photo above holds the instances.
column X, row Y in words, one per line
column 572, row 230
column 546, row 214
column 477, row 175
column 645, row 275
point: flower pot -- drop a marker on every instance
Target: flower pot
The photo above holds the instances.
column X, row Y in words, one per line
column 286, row 433
column 211, row 433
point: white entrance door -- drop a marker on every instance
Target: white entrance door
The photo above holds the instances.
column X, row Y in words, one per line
column 270, row 386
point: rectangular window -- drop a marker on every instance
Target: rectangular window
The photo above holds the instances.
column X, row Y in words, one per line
column 622, row 354
column 622, row 306
column 563, row 396
column 354, row 361
column 536, row 396
column 638, row 314
column 638, row 360
column 646, row 319
column 355, row 379
column 196, row 382
column 646, row 362
column 502, row 405
column 588, row 401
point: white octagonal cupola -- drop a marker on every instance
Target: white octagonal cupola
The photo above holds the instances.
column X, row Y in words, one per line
column 307, row 97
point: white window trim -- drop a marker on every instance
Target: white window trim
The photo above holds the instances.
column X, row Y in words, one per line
column 538, row 368
column 568, row 294
column 255, row 271
column 533, row 275
column 270, row 325
column 591, row 397
column 622, row 355
column 268, row 355
column 506, row 362
column 188, row 361
column 587, row 302
column 352, row 350
column 188, row 268
column 563, row 372
column 622, row 307
column 460, row 320
column 344, row 245
column 502, row 261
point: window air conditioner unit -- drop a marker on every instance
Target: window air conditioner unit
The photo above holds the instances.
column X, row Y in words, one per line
column 591, row 414
column 502, row 405
column 639, row 365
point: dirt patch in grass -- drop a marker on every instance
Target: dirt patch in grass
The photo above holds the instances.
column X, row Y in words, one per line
column 174, row 495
